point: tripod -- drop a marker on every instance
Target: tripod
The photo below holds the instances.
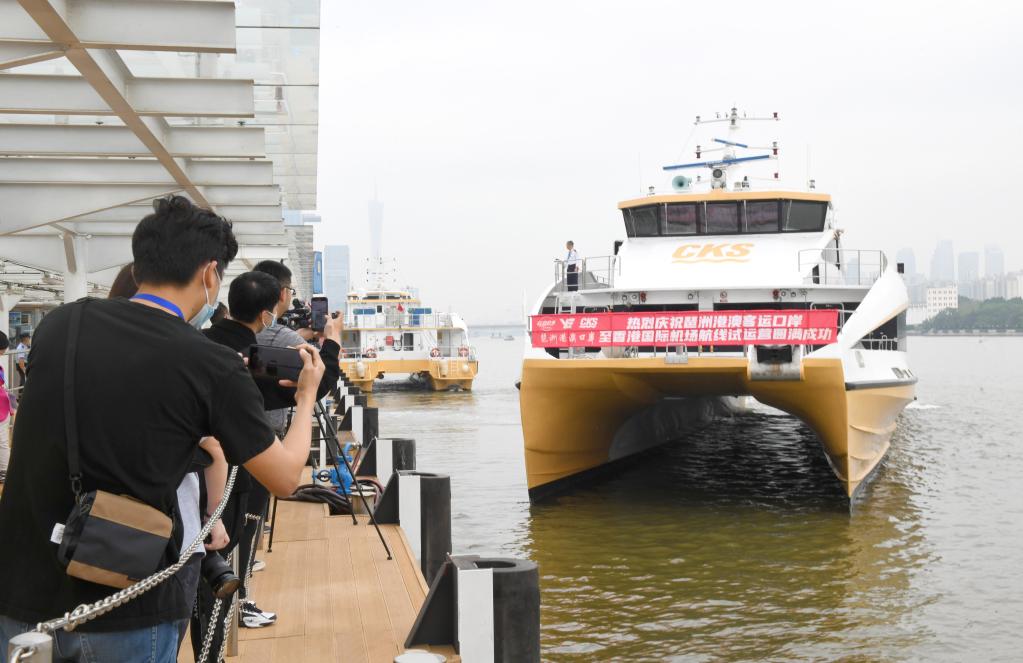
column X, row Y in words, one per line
column 326, row 423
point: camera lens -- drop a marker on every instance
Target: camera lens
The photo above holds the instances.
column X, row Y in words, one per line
column 220, row 576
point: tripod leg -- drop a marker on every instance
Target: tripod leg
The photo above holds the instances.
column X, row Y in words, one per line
column 372, row 518
column 330, row 437
column 273, row 524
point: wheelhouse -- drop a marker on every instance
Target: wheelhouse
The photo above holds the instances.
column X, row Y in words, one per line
column 726, row 214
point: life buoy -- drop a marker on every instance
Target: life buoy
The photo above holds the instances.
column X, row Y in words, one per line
column 463, row 351
column 435, row 352
column 370, row 354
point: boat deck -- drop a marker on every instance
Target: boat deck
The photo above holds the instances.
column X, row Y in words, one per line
column 336, row 595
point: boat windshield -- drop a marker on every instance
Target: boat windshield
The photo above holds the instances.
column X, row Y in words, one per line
column 725, row 218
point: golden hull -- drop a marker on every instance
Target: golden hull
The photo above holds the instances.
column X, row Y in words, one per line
column 574, row 412
column 441, row 374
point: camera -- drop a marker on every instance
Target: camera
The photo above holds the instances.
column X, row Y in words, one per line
column 219, row 575
column 299, row 316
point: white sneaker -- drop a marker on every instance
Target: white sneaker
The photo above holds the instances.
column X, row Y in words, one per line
column 258, row 566
column 249, row 607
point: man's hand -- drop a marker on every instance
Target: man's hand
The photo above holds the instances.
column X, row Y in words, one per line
column 218, row 537
column 306, row 333
column 312, row 372
column 332, row 328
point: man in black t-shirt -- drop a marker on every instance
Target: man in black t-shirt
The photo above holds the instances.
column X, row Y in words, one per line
column 148, row 386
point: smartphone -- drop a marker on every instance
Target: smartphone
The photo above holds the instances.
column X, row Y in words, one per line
column 319, row 308
column 276, row 363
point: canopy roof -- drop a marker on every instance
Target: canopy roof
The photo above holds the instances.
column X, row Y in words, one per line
column 107, row 104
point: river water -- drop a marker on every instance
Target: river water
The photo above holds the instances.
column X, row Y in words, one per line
column 738, row 545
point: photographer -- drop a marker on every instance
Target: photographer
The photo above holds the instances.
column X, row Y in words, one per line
column 164, row 387
column 253, row 299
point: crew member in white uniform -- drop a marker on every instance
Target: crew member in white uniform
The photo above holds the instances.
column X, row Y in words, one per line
column 572, row 266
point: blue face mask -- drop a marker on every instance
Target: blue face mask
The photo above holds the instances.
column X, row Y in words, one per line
column 205, row 313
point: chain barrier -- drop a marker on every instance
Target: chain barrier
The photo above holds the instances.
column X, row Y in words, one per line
column 87, row 612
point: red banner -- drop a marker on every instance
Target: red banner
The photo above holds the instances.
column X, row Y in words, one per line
column 689, row 328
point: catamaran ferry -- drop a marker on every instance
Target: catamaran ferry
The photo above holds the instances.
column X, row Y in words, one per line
column 720, row 291
column 387, row 330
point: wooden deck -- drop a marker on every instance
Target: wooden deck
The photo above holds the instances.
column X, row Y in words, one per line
column 336, row 595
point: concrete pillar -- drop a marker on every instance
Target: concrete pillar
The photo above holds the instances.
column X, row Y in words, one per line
column 76, row 282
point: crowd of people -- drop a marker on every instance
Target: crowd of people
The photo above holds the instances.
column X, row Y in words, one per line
column 162, row 404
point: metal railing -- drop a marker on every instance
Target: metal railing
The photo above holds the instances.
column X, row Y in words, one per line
column 594, row 273
column 462, row 351
column 855, row 267
column 399, row 320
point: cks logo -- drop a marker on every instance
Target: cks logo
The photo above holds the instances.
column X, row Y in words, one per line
column 693, row 253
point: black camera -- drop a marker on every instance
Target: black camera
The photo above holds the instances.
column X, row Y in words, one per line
column 219, row 575
column 299, row 316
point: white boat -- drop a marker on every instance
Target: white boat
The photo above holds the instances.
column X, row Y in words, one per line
column 721, row 291
column 388, row 330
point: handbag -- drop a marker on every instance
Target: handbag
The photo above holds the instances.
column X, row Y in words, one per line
column 108, row 539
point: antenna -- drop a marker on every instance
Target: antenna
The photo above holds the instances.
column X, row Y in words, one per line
column 728, row 148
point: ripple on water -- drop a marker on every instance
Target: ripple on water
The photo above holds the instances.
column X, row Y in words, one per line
column 737, row 544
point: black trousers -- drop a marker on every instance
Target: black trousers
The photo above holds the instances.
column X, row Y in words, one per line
column 573, row 278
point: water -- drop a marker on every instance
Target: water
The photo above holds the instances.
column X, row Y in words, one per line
column 738, row 544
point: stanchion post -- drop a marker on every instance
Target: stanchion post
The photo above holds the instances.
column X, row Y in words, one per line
column 31, row 647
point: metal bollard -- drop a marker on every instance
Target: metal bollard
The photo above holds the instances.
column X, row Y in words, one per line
column 420, row 502
column 386, row 456
column 31, row 647
column 488, row 608
column 370, row 424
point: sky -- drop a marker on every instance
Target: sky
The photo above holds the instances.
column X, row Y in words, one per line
column 494, row 132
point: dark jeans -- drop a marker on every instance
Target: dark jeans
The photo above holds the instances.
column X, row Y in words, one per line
column 154, row 644
column 573, row 278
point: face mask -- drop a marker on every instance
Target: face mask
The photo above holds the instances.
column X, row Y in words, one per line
column 207, row 310
column 267, row 325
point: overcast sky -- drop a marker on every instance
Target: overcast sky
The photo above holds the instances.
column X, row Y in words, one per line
column 493, row 132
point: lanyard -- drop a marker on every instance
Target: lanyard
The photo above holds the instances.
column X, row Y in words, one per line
column 160, row 301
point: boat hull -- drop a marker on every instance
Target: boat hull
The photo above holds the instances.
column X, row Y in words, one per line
column 578, row 416
column 442, row 374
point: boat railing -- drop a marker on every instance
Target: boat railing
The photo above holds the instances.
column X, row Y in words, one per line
column 435, row 352
column 595, row 273
column 850, row 267
column 399, row 320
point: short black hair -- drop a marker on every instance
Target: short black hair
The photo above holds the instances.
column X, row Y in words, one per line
column 219, row 314
column 252, row 293
column 177, row 238
column 275, row 269
column 4, row 341
column 24, row 334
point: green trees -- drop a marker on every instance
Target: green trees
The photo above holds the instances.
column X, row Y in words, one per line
column 1000, row 314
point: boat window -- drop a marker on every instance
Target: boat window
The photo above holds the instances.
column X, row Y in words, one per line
column 761, row 216
column 643, row 221
column 803, row 216
column 721, row 219
column 680, row 219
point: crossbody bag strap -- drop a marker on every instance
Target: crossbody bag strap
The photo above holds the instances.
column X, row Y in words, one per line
column 70, row 407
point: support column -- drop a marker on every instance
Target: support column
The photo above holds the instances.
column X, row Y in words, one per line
column 76, row 252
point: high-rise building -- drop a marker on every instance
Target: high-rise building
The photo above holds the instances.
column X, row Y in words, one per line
column 968, row 276
column 943, row 269
column 336, row 275
column 300, row 250
column 994, row 260
column 908, row 259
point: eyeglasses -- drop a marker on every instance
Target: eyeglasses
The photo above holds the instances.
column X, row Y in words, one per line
column 292, row 290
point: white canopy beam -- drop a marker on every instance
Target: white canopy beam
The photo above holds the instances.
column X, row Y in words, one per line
column 72, row 95
column 24, row 205
column 205, row 26
column 133, row 171
column 90, row 140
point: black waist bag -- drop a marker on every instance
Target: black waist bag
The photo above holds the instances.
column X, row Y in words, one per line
column 108, row 539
